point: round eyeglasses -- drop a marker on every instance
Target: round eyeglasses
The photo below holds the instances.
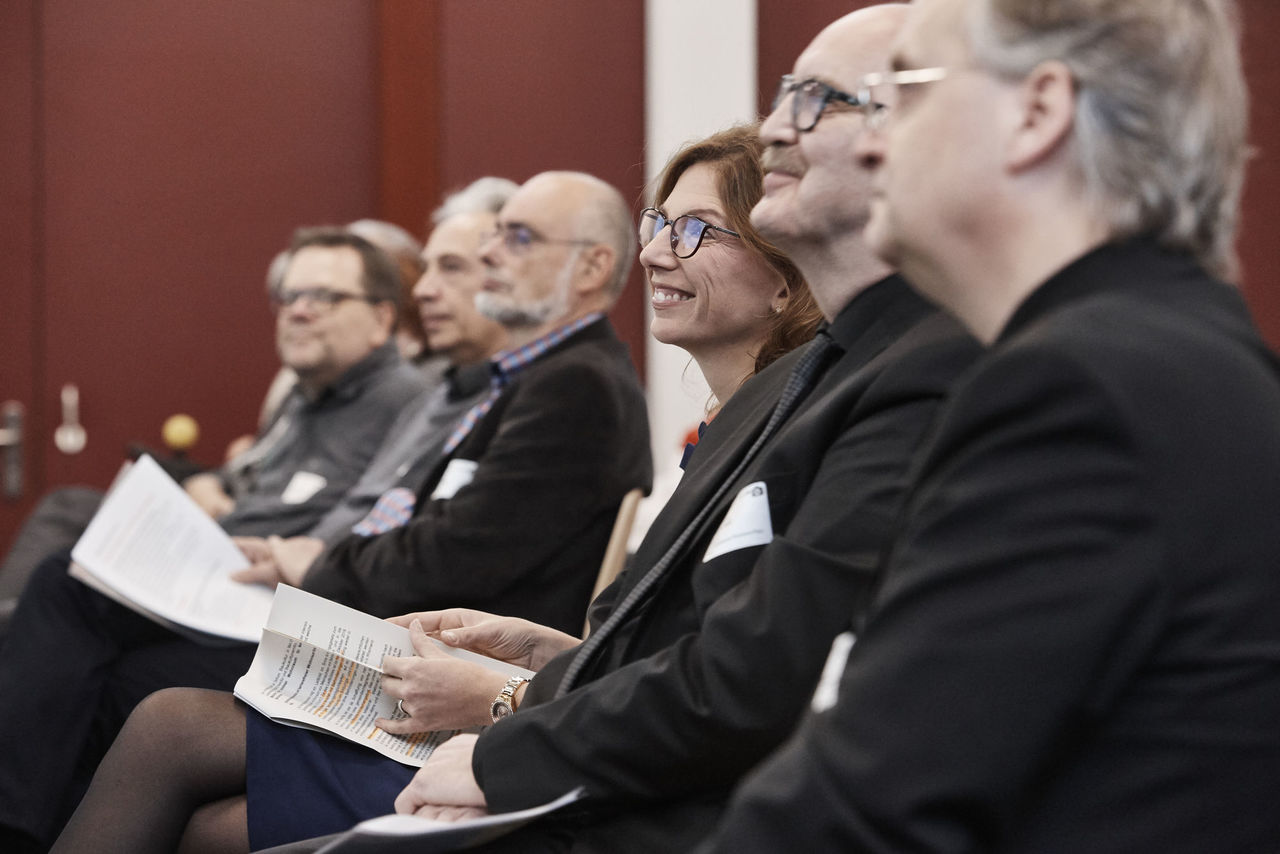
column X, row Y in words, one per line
column 686, row 231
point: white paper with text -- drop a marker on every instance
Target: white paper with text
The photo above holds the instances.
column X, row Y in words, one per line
column 319, row 666
column 152, row 548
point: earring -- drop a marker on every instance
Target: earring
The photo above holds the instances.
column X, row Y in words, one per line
column 777, row 309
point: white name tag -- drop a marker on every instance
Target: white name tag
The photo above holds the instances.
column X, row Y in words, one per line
column 456, row 475
column 829, row 683
column 302, row 487
column 747, row 523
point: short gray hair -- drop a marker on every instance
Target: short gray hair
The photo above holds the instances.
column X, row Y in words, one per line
column 275, row 272
column 387, row 236
column 1161, row 124
column 483, row 195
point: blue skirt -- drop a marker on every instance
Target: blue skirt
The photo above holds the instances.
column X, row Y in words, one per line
column 302, row 783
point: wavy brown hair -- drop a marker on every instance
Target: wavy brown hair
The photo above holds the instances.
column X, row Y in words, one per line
column 735, row 154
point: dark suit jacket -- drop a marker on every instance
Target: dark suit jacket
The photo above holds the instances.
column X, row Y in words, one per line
column 564, row 442
column 717, row 670
column 1077, row 646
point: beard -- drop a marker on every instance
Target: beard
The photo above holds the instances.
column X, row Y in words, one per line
column 514, row 314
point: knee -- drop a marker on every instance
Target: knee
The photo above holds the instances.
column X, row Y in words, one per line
column 172, row 709
column 165, row 722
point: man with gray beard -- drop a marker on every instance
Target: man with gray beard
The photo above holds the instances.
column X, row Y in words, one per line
column 516, row 516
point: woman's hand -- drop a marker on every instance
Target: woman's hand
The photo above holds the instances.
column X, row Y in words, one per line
column 436, row 690
column 510, row 639
column 446, row 780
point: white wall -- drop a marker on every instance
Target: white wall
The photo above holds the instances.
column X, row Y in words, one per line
column 700, row 77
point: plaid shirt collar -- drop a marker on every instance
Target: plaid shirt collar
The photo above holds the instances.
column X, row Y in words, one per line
column 508, row 363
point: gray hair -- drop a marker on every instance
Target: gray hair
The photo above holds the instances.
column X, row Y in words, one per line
column 483, row 195
column 387, row 236
column 1162, row 113
column 276, row 271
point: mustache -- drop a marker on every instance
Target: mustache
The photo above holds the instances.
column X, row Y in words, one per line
column 783, row 158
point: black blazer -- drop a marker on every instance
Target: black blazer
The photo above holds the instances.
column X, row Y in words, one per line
column 567, row 438
column 717, row 670
column 1077, row 646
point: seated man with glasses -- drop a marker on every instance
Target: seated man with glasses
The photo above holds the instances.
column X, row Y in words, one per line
column 335, row 309
column 1075, row 647
column 327, row 425
column 516, row 515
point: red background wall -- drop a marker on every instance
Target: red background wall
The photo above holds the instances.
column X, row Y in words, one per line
column 155, row 155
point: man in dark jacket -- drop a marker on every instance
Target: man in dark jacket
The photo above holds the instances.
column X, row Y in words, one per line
column 1075, row 647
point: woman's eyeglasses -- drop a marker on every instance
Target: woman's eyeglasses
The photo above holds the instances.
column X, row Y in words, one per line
column 686, row 231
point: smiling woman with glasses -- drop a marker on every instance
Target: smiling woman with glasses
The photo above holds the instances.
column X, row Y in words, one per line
column 719, row 290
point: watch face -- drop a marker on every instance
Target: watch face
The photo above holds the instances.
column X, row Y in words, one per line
column 499, row 710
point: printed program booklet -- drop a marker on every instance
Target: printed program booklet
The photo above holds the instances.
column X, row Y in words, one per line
column 151, row 548
column 409, row 834
column 319, row 666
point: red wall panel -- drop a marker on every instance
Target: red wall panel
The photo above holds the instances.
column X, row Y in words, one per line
column 558, row 84
column 512, row 88
column 409, row 112
column 182, row 143
column 1258, row 243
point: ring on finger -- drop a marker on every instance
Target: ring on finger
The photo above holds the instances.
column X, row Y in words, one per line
column 400, row 708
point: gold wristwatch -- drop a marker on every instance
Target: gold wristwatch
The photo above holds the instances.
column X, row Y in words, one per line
column 504, row 704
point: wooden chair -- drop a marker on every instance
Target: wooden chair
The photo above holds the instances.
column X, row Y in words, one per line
column 615, row 553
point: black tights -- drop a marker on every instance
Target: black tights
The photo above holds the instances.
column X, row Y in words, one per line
column 173, row 781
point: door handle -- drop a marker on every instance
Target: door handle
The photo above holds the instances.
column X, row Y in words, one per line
column 70, row 437
column 11, row 441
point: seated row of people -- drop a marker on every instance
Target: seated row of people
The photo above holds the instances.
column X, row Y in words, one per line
column 945, row 599
column 555, row 435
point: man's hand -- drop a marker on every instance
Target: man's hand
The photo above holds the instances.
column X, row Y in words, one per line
column 445, row 780
column 275, row 559
column 206, row 490
column 509, row 639
column 437, row 690
column 294, row 556
column 262, row 564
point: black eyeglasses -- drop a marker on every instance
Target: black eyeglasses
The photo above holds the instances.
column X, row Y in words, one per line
column 518, row 237
column 320, row 299
column 812, row 97
column 686, row 231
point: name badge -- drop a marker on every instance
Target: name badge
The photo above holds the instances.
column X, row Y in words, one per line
column 456, row 475
column 748, row 522
column 824, row 697
column 302, row 487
